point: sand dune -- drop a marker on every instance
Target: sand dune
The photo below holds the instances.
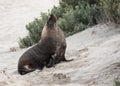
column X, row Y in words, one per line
column 96, row 55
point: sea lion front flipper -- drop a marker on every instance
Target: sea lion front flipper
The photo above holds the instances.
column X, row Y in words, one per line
column 50, row 63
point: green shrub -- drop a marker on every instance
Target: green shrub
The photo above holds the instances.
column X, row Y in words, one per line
column 25, row 42
column 117, row 83
column 111, row 10
column 34, row 28
column 74, row 16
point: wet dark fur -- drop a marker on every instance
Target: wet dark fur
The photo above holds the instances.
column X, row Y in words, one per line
column 36, row 58
column 49, row 51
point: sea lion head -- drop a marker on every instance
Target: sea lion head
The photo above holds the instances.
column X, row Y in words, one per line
column 26, row 65
column 51, row 21
column 25, row 69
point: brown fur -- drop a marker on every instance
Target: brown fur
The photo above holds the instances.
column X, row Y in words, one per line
column 54, row 37
column 34, row 58
column 49, row 51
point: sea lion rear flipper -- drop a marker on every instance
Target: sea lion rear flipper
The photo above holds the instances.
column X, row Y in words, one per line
column 68, row 60
column 64, row 59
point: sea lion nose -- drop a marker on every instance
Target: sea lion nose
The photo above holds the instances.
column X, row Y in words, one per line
column 52, row 20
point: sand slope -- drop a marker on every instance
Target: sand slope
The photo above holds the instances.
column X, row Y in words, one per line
column 96, row 54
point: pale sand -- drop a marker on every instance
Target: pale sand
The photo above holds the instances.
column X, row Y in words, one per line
column 96, row 54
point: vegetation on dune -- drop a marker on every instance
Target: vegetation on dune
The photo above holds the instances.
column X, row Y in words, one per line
column 74, row 16
column 117, row 83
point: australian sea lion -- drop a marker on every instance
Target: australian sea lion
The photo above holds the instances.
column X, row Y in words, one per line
column 49, row 51
column 54, row 38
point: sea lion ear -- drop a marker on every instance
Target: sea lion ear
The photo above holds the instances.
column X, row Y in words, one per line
column 52, row 19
